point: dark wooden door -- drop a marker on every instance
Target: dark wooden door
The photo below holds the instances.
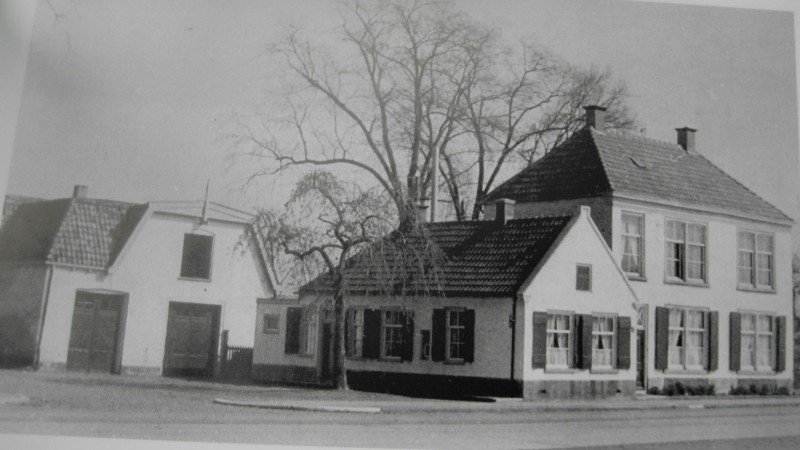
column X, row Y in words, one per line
column 192, row 338
column 95, row 335
column 640, row 358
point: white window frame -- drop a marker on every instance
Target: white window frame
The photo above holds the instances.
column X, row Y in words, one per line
column 639, row 243
column 560, row 334
column 760, row 335
column 757, row 260
column 597, row 336
column 355, row 334
column 460, row 314
column 396, row 336
column 308, row 330
column 685, row 247
column 678, row 356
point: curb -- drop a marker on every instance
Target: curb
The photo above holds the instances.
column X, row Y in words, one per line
column 285, row 407
column 13, row 399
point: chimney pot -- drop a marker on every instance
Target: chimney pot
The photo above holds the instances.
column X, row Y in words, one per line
column 80, row 191
column 503, row 211
column 686, row 138
column 595, row 117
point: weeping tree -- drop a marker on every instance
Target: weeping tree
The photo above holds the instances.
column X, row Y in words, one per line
column 339, row 234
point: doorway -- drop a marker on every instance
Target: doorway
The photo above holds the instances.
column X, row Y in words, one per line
column 192, row 339
column 641, row 347
column 95, row 342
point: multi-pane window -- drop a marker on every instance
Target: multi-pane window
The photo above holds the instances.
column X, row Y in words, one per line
column 391, row 334
column 355, row 332
column 687, row 338
column 308, row 330
column 196, row 259
column 559, row 328
column 757, row 349
column 456, row 332
column 583, row 277
column 271, row 323
column 603, row 332
column 756, row 259
column 632, row 244
column 685, row 250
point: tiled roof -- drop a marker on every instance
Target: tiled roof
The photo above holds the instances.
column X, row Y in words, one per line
column 478, row 258
column 593, row 163
column 75, row 231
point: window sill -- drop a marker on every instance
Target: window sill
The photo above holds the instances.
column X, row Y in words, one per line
column 757, row 372
column 207, row 280
column 635, row 277
column 746, row 288
column 679, row 371
column 604, row 370
column 679, row 282
column 559, row 370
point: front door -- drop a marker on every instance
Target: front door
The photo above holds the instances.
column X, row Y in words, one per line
column 640, row 358
column 192, row 339
column 95, row 341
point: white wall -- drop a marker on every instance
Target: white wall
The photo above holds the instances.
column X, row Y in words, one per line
column 149, row 273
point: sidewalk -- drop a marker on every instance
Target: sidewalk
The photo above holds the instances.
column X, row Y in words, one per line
column 406, row 405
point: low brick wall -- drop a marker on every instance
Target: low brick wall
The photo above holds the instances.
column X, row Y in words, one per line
column 577, row 389
column 270, row 373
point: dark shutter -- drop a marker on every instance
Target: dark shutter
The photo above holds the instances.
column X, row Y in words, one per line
column 348, row 324
column 584, row 347
column 539, row 340
column 780, row 336
column 292, row 343
column 736, row 341
column 407, row 350
column 439, row 335
column 713, row 341
column 371, row 344
column 624, row 342
column 662, row 337
column 469, row 335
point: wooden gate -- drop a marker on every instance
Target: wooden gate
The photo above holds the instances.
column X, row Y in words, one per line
column 95, row 343
column 192, row 338
column 236, row 362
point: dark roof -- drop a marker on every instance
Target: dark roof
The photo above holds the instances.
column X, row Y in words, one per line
column 477, row 258
column 593, row 163
column 75, row 231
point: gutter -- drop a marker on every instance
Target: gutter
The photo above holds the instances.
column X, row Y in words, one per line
column 42, row 314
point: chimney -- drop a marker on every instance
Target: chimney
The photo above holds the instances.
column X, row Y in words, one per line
column 79, row 191
column 595, row 117
column 686, row 138
column 503, row 211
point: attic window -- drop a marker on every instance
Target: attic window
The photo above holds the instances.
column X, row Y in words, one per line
column 583, row 277
column 196, row 261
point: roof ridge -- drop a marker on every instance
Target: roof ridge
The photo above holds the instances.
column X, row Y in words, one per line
column 638, row 137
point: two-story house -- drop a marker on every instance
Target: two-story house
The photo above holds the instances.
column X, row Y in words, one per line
column 709, row 260
column 107, row 286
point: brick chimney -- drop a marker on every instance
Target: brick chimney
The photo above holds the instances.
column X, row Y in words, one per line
column 595, row 117
column 503, row 211
column 686, row 138
column 79, row 191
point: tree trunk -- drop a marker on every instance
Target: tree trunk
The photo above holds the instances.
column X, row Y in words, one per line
column 339, row 364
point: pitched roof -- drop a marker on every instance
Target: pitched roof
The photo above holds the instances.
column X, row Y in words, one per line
column 75, row 231
column 478, row 258
column 592, row 163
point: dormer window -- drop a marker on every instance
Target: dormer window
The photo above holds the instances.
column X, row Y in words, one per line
column 196, row 261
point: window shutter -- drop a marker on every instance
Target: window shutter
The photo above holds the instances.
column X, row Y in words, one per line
column 439, row 335
column 624, row 342
column 469, row 335
column 662, row 337
column 371, row 344
column 407, row 352
column 584, row 347
column 348, row 324
column 736, row 341
column 713, row 341
column 780, row 336
column 292, row 342
column 539, row 340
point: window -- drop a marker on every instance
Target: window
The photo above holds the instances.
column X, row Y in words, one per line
column 758, row 351
column 355, row 332
column 425, row 345
column 756, row 259
column 633, row 244
column 687, row 338
column 271, row 323
column 603, row 332
column 559, row 328
column 686, row 251
column 456, row 331
column 583, row 277
column 308, row 331
column 196, row 261
column 391, row 334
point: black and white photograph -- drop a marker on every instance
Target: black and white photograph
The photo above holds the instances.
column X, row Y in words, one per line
column 516, row 224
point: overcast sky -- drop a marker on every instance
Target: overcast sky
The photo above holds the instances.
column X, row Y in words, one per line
column 133, row 98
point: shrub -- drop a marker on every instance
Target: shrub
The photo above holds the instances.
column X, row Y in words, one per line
column 680, row 389
column 653, row 390
column 783, row 390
